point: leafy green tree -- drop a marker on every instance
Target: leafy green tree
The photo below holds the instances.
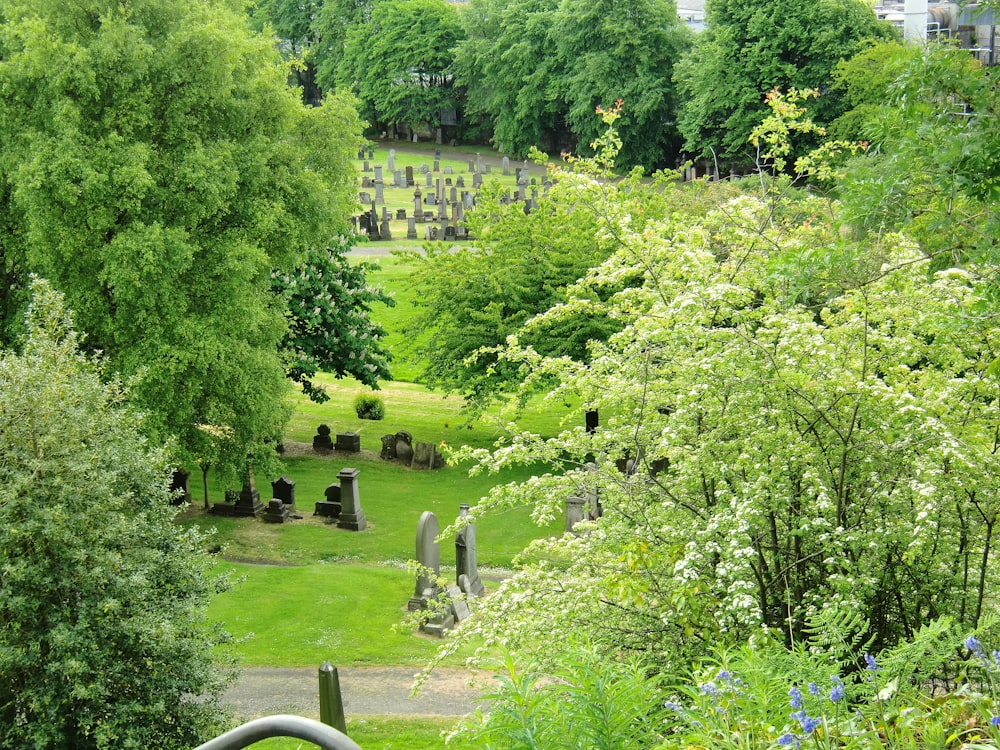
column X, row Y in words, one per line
column 330, row 25
column 537, row 71
column 328, row 302
column 752, row 46
column 506, row 63
column 103, row 599
column 157, row 168
column 399, row 62
column 610, row 50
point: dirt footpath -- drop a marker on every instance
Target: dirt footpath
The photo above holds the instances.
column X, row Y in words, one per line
column 263, row 691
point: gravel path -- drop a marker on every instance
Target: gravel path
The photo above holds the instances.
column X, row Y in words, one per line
column 376, row 691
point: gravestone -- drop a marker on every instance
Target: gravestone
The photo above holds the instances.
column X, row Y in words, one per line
column 283, row 489
column 361, row 154
column 424, row 169
column 404, row 441
column 379, row 192
column 488, row 169
column 276, row 511
column 371, row 153
column 453, row 194
column 322, row 442
column 409, row 177
column 425, row 455
column 378, row 172
column 330, row 506
column 466, row 565
column 248, row 502
column 449, row 236
column 351, row 515
column 364, row 197
column 400, row 214
column 506, row 166
column 428, row 557
column 460, row 182
column 469, row 200
column 384, row 232
column 431, row 233
column 447, row 169
column 437, row 160
column 418, row 205
column 391, row 160
column 367, row 167
column 397, row 179
column 430, row 180
column 411, row 228
column 348, row 442
column 472, row 165
column 477, row 181
column 574, row 512
column 180, row 493
column 366, row 182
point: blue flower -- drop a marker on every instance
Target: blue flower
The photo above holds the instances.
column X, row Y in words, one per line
column 972, row 643
column 814, row 689
column 809, row 724
column 709, row 688
column 837, row 691
column 872, row 666
column 673, row 706
column 789, row 739
column 995, row 721
column 796, row 697
column 724, row 676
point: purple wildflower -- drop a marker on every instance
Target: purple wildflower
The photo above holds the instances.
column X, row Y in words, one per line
column 814, row 689
column 837, row 691
column 789, row 739
column 870, row 663
column 995, row 721
column 809, row 724
column 972, row 643
column 796, row 697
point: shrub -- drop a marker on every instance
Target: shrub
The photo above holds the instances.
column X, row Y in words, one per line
column 369, row 406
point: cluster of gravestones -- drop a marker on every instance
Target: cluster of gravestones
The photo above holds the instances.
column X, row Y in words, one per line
column 401, row 448
column 347, row 442
column 342, row 502
column 441, row 205
column 445, row 605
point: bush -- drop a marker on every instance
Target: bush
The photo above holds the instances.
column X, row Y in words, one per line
column 369, row 406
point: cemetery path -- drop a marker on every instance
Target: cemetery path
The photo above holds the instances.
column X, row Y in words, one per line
column 367, row 691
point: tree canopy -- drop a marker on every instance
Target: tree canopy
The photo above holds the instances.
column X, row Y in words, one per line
column 105, row 641
column 752, row 46
column 157, row 168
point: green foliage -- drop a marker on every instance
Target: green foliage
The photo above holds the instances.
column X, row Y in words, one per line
column 369, row 406
column 329, row 304
column 752, row 46
column 105, row 641
column 398, row 61
column 537, row 71
column 584, row 700
column 157, row 168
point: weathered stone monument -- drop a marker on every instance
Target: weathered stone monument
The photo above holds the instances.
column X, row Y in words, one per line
column 426, row 456
column 427, row 590
column 330, row 506
column 322, row 442
column 348, row 442
column 283, row 489
column 276, row 511
column 466, row 566
column 351, row 516
column 574, row 512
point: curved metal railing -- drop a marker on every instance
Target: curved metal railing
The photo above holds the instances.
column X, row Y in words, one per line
column 282, row 725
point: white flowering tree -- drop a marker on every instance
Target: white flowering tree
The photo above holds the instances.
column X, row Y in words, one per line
column 794, row 422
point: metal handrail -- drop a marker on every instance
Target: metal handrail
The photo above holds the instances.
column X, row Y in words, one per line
column 281, row 725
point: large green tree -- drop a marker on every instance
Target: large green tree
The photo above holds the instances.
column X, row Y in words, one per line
column 536, row 71
column 103, row 599
column 157, row 168
column 398, row 62
column 752, row 46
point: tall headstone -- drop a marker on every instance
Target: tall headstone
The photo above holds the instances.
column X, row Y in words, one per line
column 378, row 171
column 391, row 160
column 466, row 566
column 477, row 181
column 248, row 502
column 283, row 489
column 437, row 160
column 409, row 177
column 574, row 512
column 506, row 166
column 385, row 233
column 428, row 557
column 429, row 180
column 411, row 228
column 351, row 515
column 379, row 191
column 418, row 205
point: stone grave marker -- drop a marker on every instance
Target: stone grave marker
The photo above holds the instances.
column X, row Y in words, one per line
column 460, row 181
column 411, row 228
column 283, row 489
column 409, row 177
column 574, row 512
column 348, row 442
column 391, row 160
column 506, row 166
column 400, row 214
column 384, row 232
column 378, row 171
column 477, row 181
column 248, row 502
column 351, row 515
column 379, row 192
column 276, row 511
column 367, row 167
column 418, row 205
column 466, row 565
column 428, row 556
column 430, row 180
column 330, row 506
column 322, row 442
column 397, row 179
column 437, row 160
column 447, row 169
